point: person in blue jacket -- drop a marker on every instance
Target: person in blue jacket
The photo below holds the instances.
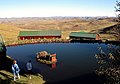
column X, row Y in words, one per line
column 29, row 68
column 15, row 69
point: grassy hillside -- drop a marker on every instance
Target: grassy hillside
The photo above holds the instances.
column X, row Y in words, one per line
column 64, row 24
column 9, row 28
column 6, row 75
column 9, row 32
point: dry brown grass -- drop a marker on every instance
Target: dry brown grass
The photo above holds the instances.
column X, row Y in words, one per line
column 107, row 37
column 10, row 30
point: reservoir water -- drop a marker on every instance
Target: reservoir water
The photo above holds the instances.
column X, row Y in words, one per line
column 76, row 61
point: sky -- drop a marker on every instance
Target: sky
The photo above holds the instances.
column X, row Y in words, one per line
column 50, row 8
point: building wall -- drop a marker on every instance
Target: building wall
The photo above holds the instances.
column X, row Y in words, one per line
column 81, row 38
column 37, row 37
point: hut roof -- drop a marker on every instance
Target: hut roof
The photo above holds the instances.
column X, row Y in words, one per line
column 82, row 35
column 40, row 33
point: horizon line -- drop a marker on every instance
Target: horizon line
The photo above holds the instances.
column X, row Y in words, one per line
column 54, row 16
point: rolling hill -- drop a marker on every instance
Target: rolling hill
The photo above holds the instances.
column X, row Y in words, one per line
column 10, row 27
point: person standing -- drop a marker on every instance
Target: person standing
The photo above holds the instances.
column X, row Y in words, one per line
column 29, row 68
column 15, row 69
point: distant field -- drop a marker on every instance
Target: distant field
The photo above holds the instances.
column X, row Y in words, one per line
column 9, row 32
column 9, row 28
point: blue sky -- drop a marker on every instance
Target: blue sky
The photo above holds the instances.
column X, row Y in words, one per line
column 48, row 8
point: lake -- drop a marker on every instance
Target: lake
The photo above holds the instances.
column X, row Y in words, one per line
column 76, row 61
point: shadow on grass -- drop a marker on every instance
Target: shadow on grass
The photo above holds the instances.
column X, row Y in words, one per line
column 6, row 75
column 5, row 79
